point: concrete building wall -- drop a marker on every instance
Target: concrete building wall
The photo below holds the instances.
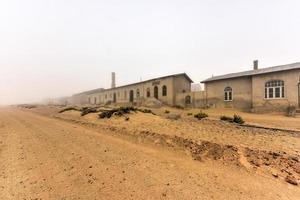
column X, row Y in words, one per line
column 123, row 93
column 78, row 99
column 191, row 99
column 291, row 97
column 241, row 93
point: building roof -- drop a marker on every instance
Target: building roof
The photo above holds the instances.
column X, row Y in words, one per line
column 163, row 77
column 91, row 91
column 255, row 72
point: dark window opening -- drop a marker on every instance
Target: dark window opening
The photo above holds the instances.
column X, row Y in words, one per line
column 164, row 90
column 228, row 94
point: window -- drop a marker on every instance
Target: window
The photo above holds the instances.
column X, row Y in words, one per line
column 228, row 94
column 137, row 93
column 125, row 95
column 156, row 92
column 105, row 96
column 148, row 92
column 89, row 99
column 274, row 89
column 164, row 90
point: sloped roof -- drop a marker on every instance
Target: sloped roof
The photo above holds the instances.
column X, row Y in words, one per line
column 91, row 91
column 255, row 72
column 163, row 77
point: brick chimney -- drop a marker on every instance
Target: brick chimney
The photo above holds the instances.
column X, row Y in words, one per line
column 113, row 80
column 255, row 65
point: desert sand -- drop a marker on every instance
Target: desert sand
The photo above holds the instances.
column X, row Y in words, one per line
column 49, row 155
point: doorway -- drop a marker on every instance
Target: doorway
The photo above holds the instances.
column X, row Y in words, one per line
column 115, row 98
column 156, row 92
column 131, row 96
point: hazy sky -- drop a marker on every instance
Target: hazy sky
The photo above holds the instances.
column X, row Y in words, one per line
column 51, row 48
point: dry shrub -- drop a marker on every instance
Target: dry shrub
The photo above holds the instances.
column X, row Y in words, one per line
column 201, row 115
column 69, row 109
column 235, row 119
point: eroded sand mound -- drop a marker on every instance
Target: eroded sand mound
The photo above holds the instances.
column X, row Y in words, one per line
column 280, row 164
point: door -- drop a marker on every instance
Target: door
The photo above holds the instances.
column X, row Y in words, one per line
column 131, row 96
column 156, row 92
column 115, row 98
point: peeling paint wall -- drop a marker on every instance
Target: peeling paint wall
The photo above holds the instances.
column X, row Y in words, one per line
column 173, row 84
column 291, row 97
column 197, row 99
column 241, row 93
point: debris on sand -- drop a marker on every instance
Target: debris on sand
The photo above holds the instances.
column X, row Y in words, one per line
column 87, row 110
column 279, row 161
column 235, row 119
column 117, row 111
column 152, row 103
column 69, row 109
column 275, row 174
column 291, row 180
column 122, row 111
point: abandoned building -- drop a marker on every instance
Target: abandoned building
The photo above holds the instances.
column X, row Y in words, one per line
column 259, row 90
column 165, row 89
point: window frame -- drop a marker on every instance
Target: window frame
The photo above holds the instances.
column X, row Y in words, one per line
column 271, row 88
column 164, row 91
column 228, row 94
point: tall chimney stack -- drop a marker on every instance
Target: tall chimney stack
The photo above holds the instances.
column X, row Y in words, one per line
column 113, row 80
column 255, row 64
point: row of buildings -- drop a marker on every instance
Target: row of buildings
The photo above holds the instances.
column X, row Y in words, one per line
column 257, row 90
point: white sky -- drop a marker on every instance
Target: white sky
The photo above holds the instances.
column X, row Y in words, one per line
column 60, row 47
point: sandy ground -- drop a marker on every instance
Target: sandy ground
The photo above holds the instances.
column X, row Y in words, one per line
column 73, row 157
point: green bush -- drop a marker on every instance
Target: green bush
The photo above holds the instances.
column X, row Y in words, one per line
column 201, row 116
column 167, row 111
column 189, row 114
column 238, row 119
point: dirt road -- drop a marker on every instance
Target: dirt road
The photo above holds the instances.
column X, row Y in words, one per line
column 45, row 158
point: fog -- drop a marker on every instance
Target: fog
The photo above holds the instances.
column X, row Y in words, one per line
column 61, row 47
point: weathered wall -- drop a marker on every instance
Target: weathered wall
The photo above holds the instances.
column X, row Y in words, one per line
column 78, row 99
column 291, row 80
column 197, row 99
column 123, row 93
column 241, row 93
column 180, row 85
